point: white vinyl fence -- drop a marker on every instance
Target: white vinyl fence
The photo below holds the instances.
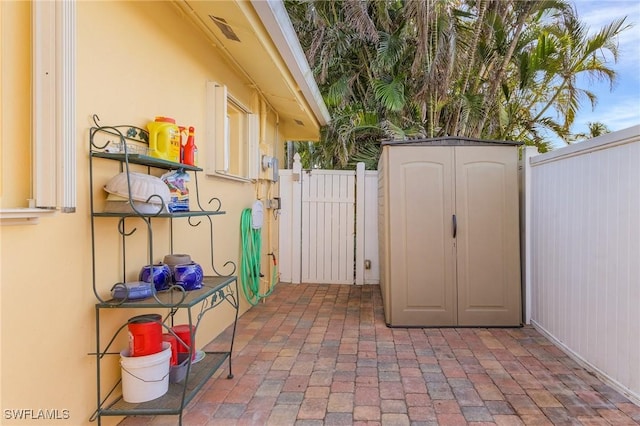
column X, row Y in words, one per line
column 584, row 262
column 328, row 226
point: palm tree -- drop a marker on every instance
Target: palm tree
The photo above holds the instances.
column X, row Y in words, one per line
column 494, row 69
column 595, row 129
column 575, row 53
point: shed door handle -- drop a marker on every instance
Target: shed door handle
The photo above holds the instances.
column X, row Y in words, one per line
column 455, row 226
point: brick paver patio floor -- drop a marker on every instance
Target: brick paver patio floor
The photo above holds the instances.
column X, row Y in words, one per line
column 322, row 355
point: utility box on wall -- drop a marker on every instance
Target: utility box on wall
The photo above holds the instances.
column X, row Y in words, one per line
column 449, row 232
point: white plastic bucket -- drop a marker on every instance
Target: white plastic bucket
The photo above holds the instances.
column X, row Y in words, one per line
column 145, row 377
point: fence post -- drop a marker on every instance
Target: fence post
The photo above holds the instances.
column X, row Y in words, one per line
column 529, row 151
column 360, row 237
column 296, row 221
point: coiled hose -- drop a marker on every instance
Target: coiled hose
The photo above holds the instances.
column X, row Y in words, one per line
column 250, row 264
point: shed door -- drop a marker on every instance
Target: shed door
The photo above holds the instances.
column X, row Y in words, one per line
column 422, row 264
column 488, row 250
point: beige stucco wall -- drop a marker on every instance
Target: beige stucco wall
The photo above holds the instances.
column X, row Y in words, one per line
column 135, row 60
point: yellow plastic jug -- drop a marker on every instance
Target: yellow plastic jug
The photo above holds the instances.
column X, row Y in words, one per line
column 164, row 139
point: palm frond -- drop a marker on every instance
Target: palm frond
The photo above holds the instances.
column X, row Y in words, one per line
column 390, row 93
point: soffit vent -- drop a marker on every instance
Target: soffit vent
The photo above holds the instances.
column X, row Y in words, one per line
column 225, row 28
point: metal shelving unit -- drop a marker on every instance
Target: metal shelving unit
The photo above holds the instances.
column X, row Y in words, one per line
column 122, row 144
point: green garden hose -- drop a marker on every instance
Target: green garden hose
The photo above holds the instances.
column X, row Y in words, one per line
column 250, row 264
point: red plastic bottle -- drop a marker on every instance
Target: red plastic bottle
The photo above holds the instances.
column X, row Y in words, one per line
column 190, row 149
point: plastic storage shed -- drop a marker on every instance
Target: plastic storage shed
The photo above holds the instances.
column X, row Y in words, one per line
column 449, row 232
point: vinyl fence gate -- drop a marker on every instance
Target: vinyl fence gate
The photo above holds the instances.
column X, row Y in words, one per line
column 328, row 226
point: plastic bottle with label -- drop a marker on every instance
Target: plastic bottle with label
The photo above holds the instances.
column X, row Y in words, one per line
column 164, row 139
column 182, row 131
column 190, row 149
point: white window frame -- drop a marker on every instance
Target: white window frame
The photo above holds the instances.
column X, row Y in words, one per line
column 53, row 114
column 54, row 97
column 226, row 143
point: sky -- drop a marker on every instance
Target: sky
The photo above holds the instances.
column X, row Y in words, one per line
column 618, row 108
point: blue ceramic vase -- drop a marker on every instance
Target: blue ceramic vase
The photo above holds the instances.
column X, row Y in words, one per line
column 188, row 275
column 161, row 275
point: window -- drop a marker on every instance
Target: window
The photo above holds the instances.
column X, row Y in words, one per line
column 232, row 135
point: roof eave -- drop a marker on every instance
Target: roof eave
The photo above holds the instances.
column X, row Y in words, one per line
column 276, row 21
